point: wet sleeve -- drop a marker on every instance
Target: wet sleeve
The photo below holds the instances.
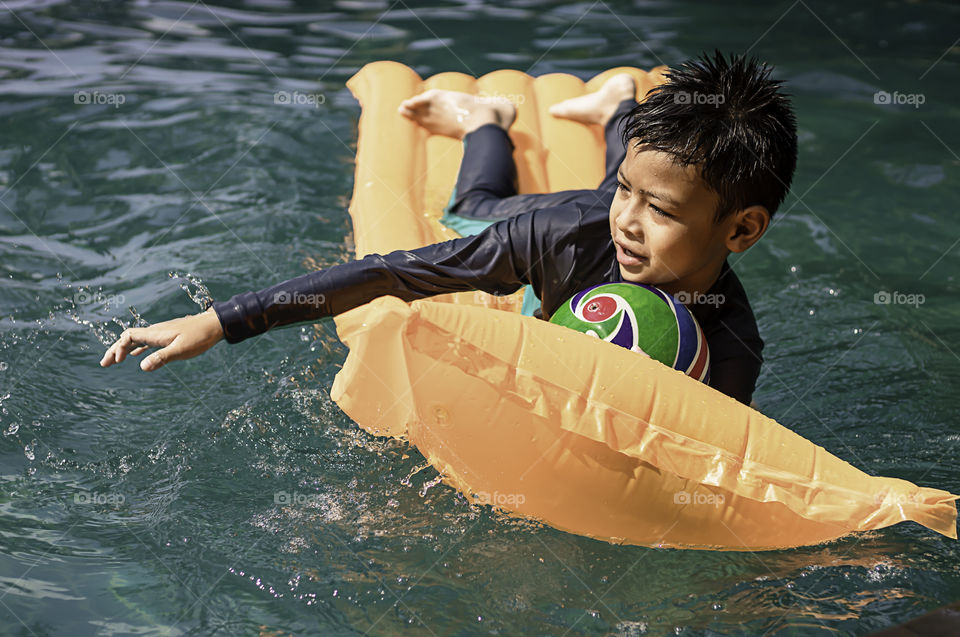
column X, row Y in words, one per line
column 499, row 260
column 735, row 365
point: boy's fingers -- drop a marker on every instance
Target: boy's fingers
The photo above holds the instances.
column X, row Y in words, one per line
column 123, row 345
column 161, row 357
column 155, row 361
column 139, row 350
column 134, row 338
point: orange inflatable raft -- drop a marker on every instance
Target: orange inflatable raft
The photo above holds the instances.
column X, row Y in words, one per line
column 546, row 422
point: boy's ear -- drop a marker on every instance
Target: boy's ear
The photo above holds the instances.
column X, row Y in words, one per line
column 745, row 227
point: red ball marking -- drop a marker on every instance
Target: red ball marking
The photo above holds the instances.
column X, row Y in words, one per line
column 600, row 308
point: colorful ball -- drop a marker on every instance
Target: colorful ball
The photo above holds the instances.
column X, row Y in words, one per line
column 643, row 319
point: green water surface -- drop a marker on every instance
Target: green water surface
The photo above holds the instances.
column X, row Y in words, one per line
column 229, row 495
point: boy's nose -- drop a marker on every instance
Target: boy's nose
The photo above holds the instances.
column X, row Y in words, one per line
column 629, row 223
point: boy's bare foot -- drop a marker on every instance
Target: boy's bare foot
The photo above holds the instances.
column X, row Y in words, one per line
column 597, row 107
column 455, row 114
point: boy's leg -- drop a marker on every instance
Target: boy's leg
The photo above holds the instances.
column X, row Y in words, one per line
column 616, row 151
column 486, row 185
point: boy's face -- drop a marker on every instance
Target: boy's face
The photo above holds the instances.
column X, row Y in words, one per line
column 662, row 224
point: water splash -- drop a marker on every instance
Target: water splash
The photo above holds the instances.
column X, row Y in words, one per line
column 84, row 299
column 429, row 484
column 406, row 480
column 201, row 295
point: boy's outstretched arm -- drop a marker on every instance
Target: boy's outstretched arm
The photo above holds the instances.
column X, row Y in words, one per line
column 499, row 260
column 180, row 338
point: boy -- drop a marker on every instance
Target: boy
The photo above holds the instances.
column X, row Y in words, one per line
column 706, row 159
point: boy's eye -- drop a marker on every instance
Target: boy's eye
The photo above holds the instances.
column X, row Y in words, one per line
column 621, row 187
column 660, row 212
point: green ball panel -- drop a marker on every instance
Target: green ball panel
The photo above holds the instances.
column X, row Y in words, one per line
column 627, row 315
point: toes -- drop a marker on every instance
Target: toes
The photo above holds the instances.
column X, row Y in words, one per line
column 419, row 100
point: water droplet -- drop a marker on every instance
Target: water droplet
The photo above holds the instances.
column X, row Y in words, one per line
column 429, row 484
column 406, row 481
column 28, row 450
column 12, row 429
column 201, row 296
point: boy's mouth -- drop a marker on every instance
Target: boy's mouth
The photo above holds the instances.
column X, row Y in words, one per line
column 626, row 257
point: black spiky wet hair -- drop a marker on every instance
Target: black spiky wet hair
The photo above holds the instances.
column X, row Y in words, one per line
column 730, row 119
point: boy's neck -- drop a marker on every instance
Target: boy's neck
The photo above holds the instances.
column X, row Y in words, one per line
column 698, row 284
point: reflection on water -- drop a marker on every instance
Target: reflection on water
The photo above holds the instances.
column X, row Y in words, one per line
column 157, row 155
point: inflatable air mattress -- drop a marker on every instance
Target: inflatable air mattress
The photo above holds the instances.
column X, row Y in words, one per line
column 545, row 422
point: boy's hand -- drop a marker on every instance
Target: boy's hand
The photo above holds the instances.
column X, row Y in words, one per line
column 180, row 339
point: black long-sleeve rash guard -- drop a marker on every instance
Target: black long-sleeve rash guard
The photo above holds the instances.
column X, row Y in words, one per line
column 559, row 251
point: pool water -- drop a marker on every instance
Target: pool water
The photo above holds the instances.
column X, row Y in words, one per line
column 146, row 166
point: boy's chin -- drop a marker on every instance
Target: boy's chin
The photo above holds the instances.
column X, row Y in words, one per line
column 632, row 275
column 645, row 277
